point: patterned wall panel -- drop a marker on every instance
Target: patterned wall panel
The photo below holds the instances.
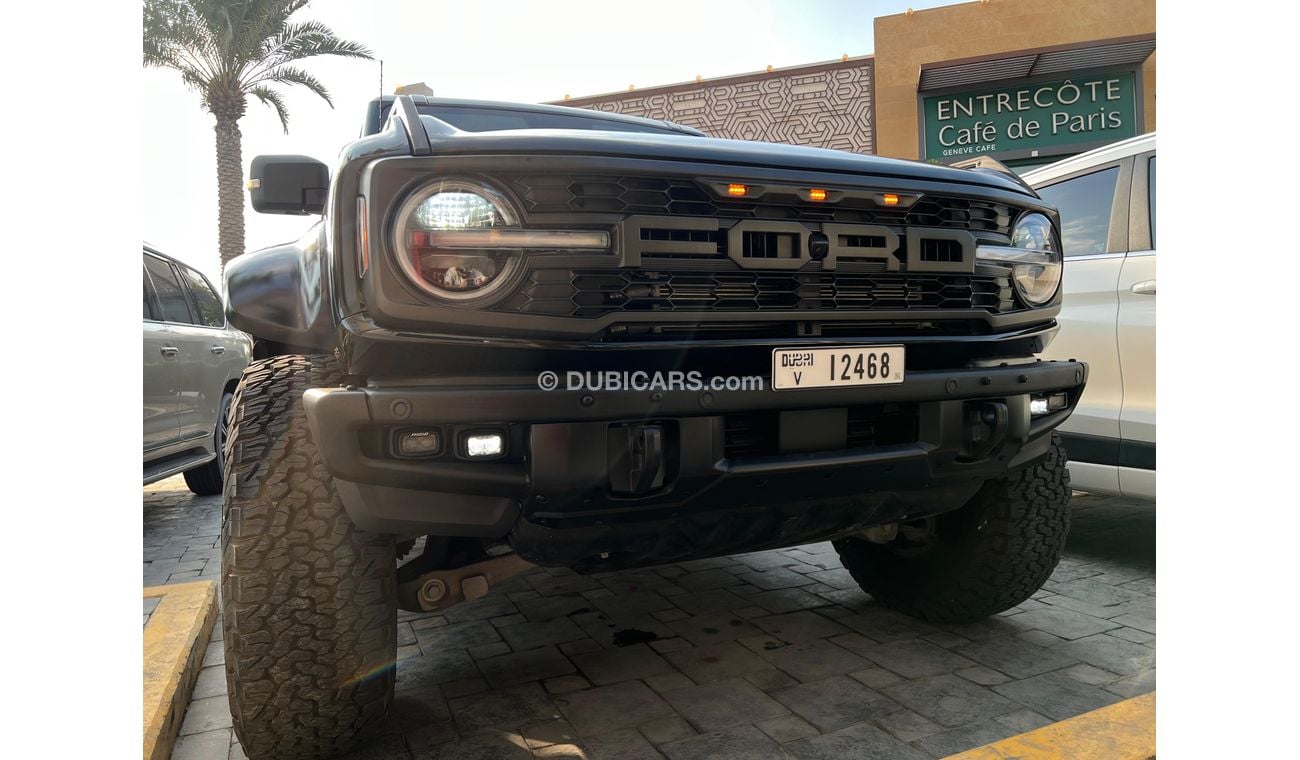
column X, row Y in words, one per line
column 824, row 105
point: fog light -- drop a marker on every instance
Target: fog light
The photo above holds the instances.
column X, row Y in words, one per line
column 1040, row 405
column 482, row 445
column 418, row 443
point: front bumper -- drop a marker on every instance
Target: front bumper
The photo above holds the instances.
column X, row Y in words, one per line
column 553, row 497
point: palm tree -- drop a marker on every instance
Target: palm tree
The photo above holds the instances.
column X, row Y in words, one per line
column 228, row 50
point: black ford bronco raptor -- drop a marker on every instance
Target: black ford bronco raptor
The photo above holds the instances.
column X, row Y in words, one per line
column 411, row 433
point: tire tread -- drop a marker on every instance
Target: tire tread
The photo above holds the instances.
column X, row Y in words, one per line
column 1020, row 524
column 308, row 600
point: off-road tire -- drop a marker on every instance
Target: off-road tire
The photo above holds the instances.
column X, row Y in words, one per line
column 309, row 602
column 205, row 480
column 987, row 557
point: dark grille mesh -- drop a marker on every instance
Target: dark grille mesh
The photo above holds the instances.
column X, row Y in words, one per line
column 656, row 195
column 592, row 293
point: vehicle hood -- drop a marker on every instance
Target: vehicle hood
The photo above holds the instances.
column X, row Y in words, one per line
column 709, row 150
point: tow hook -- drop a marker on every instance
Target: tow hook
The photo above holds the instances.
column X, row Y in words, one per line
column 440, row 589
column 636, row 459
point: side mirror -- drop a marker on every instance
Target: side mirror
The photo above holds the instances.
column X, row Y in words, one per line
column 288, row 185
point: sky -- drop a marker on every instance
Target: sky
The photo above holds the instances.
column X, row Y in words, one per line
column 516, row 51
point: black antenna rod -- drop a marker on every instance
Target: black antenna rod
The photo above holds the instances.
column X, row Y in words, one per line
column 381, row 77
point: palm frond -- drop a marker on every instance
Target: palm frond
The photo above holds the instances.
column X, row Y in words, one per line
column 260, row 21
column 172, row 34
column 231, row 49
column 297, row 42
column 294, row 75
column 314, row 39
column 274, row 46
column 272, row 98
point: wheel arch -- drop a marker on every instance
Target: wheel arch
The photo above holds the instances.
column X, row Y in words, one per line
column 281, row 295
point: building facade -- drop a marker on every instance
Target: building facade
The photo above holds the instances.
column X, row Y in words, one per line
column 1026, row 82
column 1023, row 81
column 828, row 105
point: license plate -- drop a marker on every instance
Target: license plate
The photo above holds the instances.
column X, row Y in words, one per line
column 795, row 368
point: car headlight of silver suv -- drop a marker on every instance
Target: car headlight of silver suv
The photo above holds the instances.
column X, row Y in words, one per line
column 1034, row 257
column 461, row 241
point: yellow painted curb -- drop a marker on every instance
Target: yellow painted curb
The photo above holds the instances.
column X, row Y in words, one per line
column 1122, row 731
column 175, row 639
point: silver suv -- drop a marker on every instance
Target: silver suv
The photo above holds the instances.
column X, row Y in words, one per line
column 1107, row 200
column 192, row 363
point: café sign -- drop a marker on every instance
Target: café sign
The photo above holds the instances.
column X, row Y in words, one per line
column 1043, row 118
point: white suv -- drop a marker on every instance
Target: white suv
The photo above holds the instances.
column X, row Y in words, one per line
column 193, row 360
column 1107, row 200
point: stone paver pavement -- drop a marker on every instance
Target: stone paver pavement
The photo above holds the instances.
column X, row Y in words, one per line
column 771, row 654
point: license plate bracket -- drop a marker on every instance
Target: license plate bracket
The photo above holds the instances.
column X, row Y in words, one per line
column 836, row 366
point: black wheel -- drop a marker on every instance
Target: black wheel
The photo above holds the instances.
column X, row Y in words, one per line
column 309, row 602
column 986, row 557
column 206, row 480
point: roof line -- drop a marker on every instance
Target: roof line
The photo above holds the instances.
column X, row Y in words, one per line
column 1059, row 48
column 844, row 62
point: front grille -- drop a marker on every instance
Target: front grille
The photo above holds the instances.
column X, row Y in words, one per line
column 594, row 293
column 757, row 434
column 942, row 251
column 769, row 245
column 596, row 193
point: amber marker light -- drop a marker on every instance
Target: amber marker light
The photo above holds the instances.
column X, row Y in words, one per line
column 817, row 194
column 889, row 199
column 363, row 237
column 737, row 190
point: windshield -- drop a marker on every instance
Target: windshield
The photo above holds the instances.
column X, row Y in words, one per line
column 492, row 119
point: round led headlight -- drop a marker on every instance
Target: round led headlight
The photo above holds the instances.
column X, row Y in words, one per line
column 1036, row 267
column 424, row 232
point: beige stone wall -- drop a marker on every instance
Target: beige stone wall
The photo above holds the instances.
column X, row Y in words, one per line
column 827, row 105
column 979, row 29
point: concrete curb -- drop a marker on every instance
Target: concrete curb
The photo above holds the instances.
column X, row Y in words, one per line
column 175, row 639
column 1122, row 731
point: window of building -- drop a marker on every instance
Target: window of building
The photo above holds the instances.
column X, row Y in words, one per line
column 206, row 302
column 1085, row 205
column 171, row 296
